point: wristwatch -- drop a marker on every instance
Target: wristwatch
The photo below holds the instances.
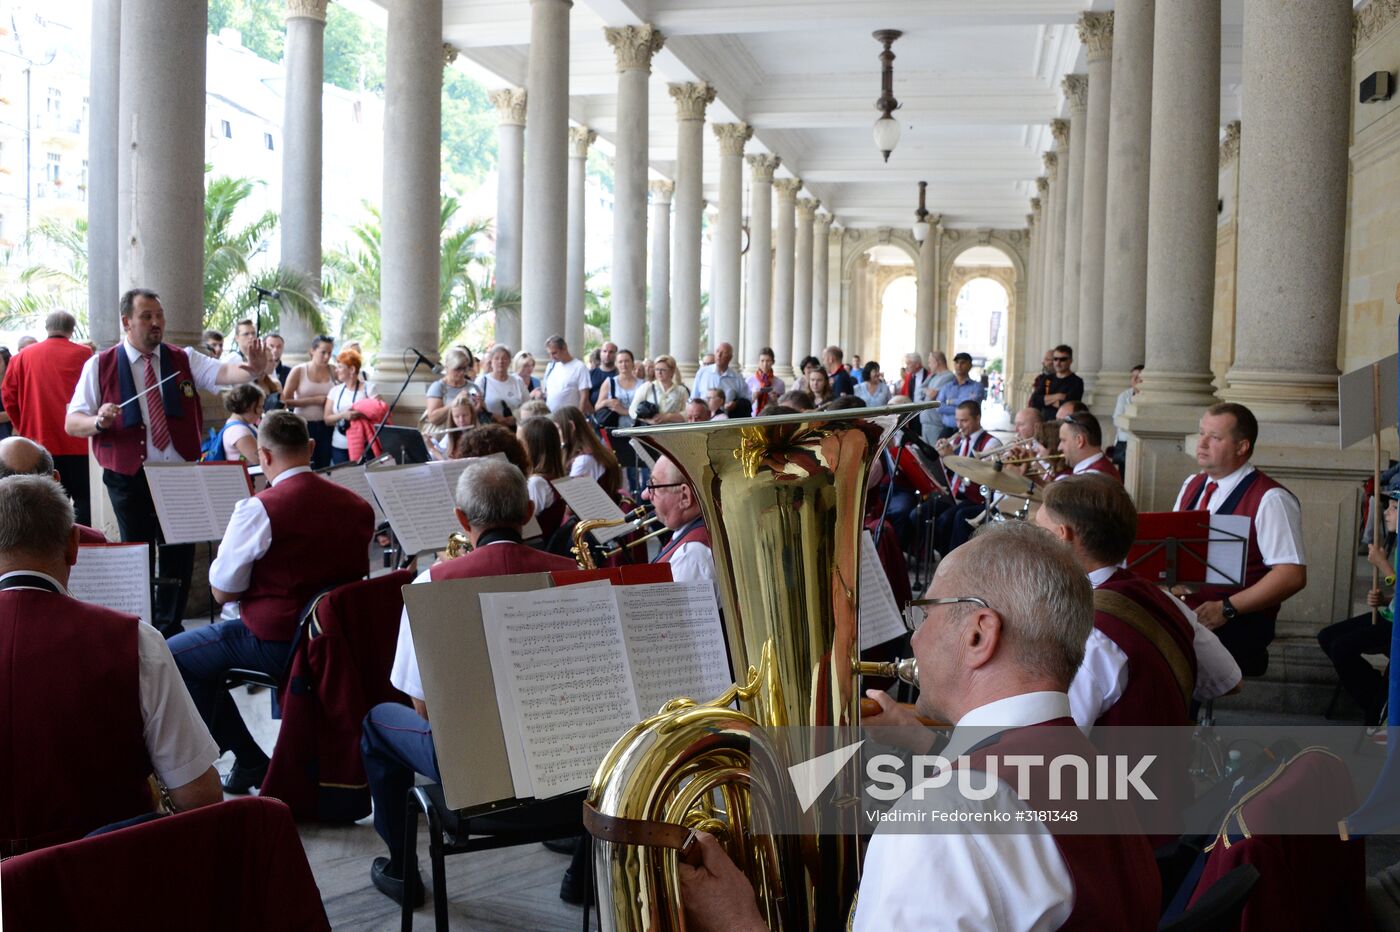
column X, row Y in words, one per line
column 1228, row 610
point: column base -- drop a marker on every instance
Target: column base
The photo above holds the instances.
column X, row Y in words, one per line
column 687, row 371
column 1305, row 398
column 1091, row 381
column 1107, row 387
column 786, row 373
column 1161, row 451
column 1178, row 390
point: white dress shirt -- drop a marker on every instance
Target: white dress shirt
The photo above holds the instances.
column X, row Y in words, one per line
column 729, row 381
column 87, row 394
column 1278, row 525
column 1084, row 466
column 586, row 464
column 1103, row 676
column 177, row 740
column 245, row 542
column 969, row 880
column 691, row 561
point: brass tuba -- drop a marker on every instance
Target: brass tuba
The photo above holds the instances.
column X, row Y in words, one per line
column 783, row 498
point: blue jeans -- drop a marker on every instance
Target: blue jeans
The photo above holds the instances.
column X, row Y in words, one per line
column 204, row 657
column 339, row 456
column 397, row 743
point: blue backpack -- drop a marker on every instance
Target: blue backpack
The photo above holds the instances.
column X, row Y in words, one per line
column 213, row 447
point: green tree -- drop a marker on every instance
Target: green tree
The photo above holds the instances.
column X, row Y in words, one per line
column 468, row 130
column 597, row 312
column 59, row 284
column 259, row 22
column 354, row 51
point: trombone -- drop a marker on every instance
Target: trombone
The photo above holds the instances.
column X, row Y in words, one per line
column 643, row 517
column 1011, row 446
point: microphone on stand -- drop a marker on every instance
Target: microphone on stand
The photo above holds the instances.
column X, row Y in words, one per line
column 435, row 367
column 266, row 292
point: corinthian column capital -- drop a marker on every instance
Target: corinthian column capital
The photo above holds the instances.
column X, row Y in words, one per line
column 510, row 105
column 807, row 208
column 1035, row 206
column 306, row 9
column 1042, row 185
column 1076, row 87
column 787, row 188
column 580, row 138
column 1060, row 130
column 661, row 191
column 691, row 99
column 634, row 45
column 824, row 220
column 763, row 166
column 732, row 137
column 1230, row 145
column 449, row 54
column 1096, row 32
column 1051, row 161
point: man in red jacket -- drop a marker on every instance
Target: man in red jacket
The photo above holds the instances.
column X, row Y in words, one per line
column 493, row 504
column 35, row 391
column 297, row 538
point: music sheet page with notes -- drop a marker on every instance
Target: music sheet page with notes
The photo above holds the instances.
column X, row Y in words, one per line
column 353, row 478
column 879, row 617
column 675, row 642
column 115, row 576
column 560, row 666
column 418, row 503
column 586, row 498
column 195, row 501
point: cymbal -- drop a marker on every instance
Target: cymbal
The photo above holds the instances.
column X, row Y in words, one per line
column 993, row 476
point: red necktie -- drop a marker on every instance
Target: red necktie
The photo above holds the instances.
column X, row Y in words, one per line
column 155, row 407
column 1206, row 495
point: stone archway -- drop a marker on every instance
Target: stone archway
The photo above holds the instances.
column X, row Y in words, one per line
column 1012, row 244
column 863, row 283
column 959, row 277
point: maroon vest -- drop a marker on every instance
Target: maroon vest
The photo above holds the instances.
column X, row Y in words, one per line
column 75, row 755
column 970, row 492
column 1244, row 500
column 1116, row 883
column 320, row 539
column 1105, row 466
column 122, row 447
column 698, row 534
column 1152, row 694
column 506, row 558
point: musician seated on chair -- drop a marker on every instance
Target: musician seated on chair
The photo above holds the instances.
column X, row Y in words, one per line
column 493, row 504
column 92, row 701
column 678, row 507
column 1243, row 616
column 20, row 456
column 998, row 652
column 298, row 537
column 1081, row 442
column 968, row 501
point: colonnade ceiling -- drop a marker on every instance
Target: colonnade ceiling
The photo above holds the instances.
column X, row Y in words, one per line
column 979, row 81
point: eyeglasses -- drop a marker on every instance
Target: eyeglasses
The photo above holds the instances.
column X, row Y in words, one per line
column 914, row 612
column 1060, row 358
column 652, row 486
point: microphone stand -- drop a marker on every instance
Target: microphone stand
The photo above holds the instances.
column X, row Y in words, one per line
column 889, row 489
column 368, row 454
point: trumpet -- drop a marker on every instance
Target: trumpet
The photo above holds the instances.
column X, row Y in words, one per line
column 947, row 445
column 1005, row 448
column 457, row 544
column 641, row 517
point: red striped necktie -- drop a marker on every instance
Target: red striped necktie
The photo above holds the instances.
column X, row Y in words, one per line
column 155, row 406
column 1206, row 496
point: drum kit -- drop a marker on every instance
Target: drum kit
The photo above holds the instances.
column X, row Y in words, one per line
column 992, row 470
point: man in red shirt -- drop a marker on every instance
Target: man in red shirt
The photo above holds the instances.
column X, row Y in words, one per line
column 35, row 392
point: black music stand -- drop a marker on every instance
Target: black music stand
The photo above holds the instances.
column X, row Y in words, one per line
column 404, row 444
column 1174, row 549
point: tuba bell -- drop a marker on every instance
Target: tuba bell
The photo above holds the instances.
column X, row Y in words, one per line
column 784, row 499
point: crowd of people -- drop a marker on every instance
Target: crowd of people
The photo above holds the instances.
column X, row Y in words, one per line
column 1025, row 622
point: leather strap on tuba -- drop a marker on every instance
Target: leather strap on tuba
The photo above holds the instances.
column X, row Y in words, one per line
column 622, row 831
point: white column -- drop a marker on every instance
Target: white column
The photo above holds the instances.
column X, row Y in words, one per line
column 1076, row 87
column 1057, row 169
column 1030, row 329
column 544, row 233
column 576, row 271
column 303, row 59
column 409, row 285
column 634, row 47
column 926, row 299
column 1292, row 170
column 684, row 343
column 1125, row 210
column 510, row 210
column 1042, row 265
column 803, row 286
column 757, row 323
column 160, row 169
column 1096, row 32
column 725, row 301
column 821, row 280
column 838, row 287
column 784, row 276
column 659, row 334
column 104, row 284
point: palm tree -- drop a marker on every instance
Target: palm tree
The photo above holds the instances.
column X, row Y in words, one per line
column 50, row 287
column 230, row 277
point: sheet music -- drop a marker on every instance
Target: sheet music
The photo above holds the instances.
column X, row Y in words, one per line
column 1228, row 550
column 353, row 478
column 586, row 498
column 879, row 616
column 418, row 503
column 675, row 643
column 115, row 576
column 560, row 666
column 194, row 501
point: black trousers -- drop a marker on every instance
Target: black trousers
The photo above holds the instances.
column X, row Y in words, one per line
column 136, row 517
column 1344, row 643
column 73, row 475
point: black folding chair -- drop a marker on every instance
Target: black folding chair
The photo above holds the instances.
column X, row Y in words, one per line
column 1219, row 909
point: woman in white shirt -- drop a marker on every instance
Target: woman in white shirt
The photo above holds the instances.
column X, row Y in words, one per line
column 341, row 400
column 502, row 392
column 666, row 392
column 587, row 455
column 244, row 404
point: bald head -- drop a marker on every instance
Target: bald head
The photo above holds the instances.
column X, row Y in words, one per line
column 20, row 456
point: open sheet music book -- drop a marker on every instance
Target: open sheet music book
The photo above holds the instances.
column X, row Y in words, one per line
column 115, row 576
column 880, row 618
column 576, row 667
column 420, row 502
column 194, row 501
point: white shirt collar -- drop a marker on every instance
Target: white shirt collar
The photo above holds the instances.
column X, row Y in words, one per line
column 1227, row 484
column 288, row 473
column 61, row 587
column 1083, row 465
column 132, row 353
column 1101, row 575
column 1011, row 712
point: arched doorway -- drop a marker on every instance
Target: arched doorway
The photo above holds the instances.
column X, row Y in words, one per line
column 981, row 301
column 880, row 288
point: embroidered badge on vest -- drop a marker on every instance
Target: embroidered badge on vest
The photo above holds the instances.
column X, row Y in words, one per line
column 187, row 388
